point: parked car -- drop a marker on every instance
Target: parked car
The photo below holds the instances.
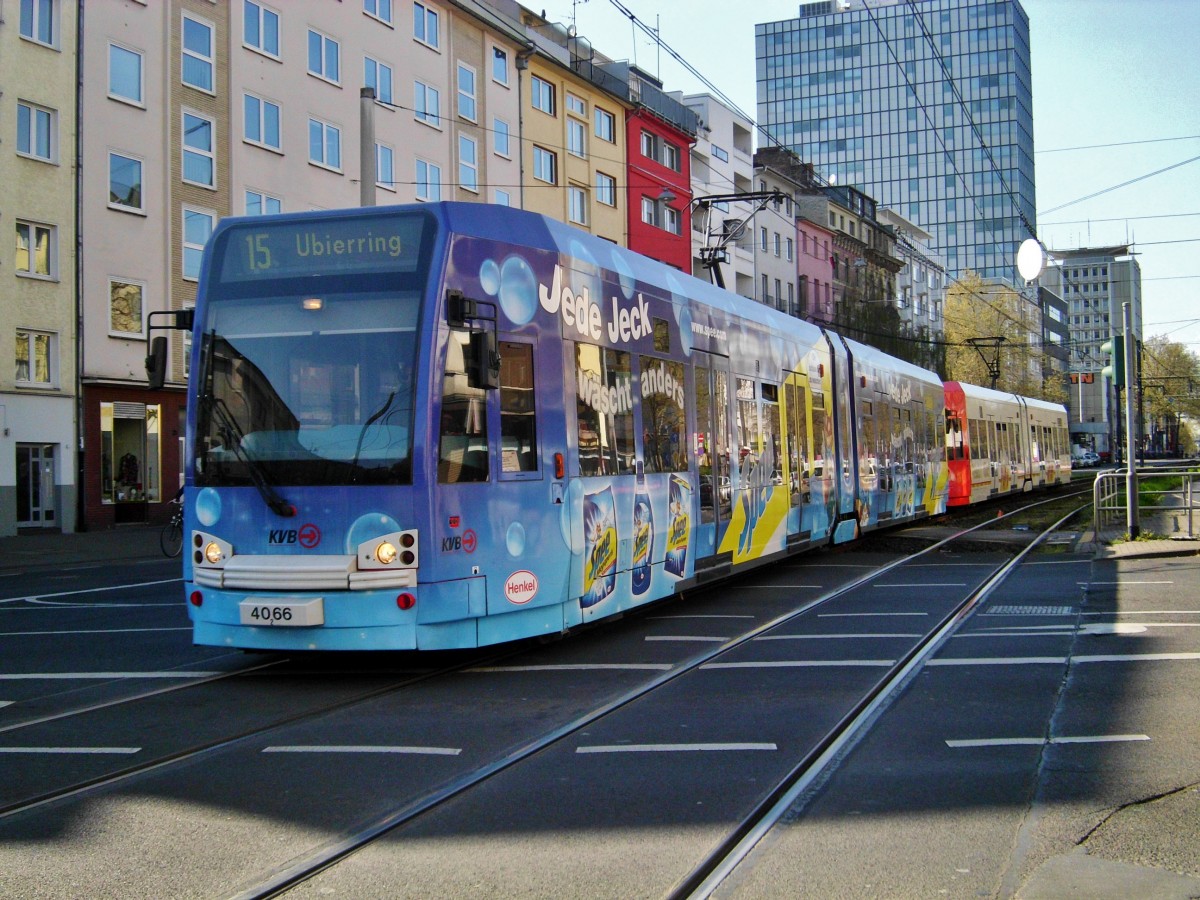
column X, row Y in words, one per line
column 1085, row 459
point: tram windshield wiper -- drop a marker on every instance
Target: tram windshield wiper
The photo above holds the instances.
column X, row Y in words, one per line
column 375, row 416
column 234, row 436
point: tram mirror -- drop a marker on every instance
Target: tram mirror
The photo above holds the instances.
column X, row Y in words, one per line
column 484, row 367
column 156, row 363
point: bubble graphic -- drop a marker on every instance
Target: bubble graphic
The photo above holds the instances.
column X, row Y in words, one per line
column 489, row 277
column 518, row 290
column 514, row 540
column 624, row 275
column 683, row 315
column 367, row 526
column 208, row 507
column 574, row 502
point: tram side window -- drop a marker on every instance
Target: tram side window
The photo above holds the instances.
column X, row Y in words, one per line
column 818, row 427
column 463, row 443
column 518, row 417
column 604, row 410
column 748, row 435
column 664, row 425
column 797, row 439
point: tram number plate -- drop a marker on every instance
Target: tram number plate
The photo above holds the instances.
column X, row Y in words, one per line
column 283, row 612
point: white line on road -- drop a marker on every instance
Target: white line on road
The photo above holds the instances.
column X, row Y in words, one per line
column 768, row 587
column 363, row 748
column 90, row 631
column 1118, row 583
column 1062, row 660
column 698, row 616
column 1038, row 742
column 669, row 748
column 801, row 664
column 96, row 750
column 72, row 676
column 576, row 667
column 863, row 615
column 99, row 590
column 923, row 584
column 826, row 637
column 7, row 702
column 686, row 637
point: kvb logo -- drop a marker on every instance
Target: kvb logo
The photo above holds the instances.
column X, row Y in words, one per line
column 307, row 536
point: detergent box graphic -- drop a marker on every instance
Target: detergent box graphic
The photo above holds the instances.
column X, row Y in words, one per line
column 600, row 547
column 680, row 526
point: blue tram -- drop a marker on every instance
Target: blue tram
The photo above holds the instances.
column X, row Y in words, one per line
column 452, row 425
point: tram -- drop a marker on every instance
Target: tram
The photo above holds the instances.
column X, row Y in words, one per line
column 452, row 425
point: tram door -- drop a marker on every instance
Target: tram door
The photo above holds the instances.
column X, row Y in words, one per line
column 712, row 445
column 798, row 452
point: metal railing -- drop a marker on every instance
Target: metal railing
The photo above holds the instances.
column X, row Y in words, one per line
column 1168, row 507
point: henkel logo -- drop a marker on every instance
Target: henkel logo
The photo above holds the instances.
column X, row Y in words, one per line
column 521, row 587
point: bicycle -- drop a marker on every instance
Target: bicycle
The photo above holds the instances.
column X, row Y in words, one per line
column 171, row 536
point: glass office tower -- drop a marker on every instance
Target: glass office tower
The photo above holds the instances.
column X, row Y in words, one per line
column 923, row 104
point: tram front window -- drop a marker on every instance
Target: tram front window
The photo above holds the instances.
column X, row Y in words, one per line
column 307, row 390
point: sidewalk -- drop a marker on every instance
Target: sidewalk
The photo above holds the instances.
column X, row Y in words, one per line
column 114, row 545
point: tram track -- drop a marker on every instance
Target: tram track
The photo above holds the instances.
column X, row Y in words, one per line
column 733, row 848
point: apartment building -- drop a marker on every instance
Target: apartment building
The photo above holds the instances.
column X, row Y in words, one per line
column 38, row 402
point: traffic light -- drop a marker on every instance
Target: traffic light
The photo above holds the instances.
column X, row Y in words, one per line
column 1115, row 370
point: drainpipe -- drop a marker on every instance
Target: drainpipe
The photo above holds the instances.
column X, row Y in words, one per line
column 366, row 146
column 80, row 410
column 522, row 63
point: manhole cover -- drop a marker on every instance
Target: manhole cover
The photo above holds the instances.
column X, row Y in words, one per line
column 1029, row 611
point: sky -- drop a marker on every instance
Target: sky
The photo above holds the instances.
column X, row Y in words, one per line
column 1120, row 77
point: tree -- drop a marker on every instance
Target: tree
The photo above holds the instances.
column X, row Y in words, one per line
column 1171, row 390
column 991, row 328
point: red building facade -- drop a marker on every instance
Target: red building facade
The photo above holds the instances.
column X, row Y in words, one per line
column 659, row 186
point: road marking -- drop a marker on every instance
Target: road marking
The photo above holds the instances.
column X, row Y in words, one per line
column 1144, row 612
column 69, row 676
column 923, row 584
column 1117, row 583
column 363, row 748
column 99, row 590
column 1038, row 742
column 1062, row 660
column 7, row 702
column 686, row 637
column 767, row 587
column 96, row 750
column 698, row 616
column 576, row 667
column 669, row 748
column 801, row 664
column 90, row 631
column 825, row 637
column 862, row 615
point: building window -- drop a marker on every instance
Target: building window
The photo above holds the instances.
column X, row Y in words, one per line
column 36, row 250
column 427, row 105
column 606, row 189
column 36, row 127
column 199, row 157
column 35, row 358
column 262, row 122
column 545, row 165
column 649, row 213
column 762, row 239
column 198, row 54
column 502, row 198
column 576, row 136
column 670, row 156
column 577, row 205
column 260, row 30
column 124, row 74
column 124, row 182
column 125, row 313
column 259, row 204
column 39, row 21
column 791, row 247
column 500, row 135
column 425, row 25
column 606, row 125
column 468, row 163
column 429, row 181
column 324, row 56
column 378, row 76
column 500, row 66
column 380, row 9
column 720, row 154
column 542, row 95
column 324, row 144
column 650, row 145
column 778, row 244
column 385, row 169
column 466, row 92
column 672, row 220
column 197, row 228
column 576, row 105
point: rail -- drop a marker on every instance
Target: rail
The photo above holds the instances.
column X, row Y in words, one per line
column 1168, row 501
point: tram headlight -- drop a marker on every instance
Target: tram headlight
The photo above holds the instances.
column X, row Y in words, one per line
column 395, row 550
column 386, row 553
column 212, row 552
